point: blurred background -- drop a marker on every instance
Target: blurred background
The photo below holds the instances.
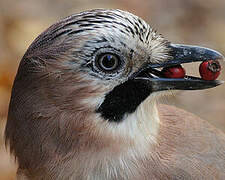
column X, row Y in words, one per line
column 199, row 22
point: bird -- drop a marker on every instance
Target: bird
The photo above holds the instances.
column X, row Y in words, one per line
column 84, row 105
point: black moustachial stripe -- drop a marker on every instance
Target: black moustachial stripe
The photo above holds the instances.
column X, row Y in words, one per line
column 122, row 100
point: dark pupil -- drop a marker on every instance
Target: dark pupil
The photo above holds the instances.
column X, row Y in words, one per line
column 108, row 62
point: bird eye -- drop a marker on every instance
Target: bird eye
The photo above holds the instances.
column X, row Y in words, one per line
column 108, row 62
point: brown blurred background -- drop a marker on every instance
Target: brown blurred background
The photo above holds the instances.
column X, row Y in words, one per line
column 199, row 22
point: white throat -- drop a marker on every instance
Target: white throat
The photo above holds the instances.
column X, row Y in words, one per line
column 141, row 127
column 144, row 121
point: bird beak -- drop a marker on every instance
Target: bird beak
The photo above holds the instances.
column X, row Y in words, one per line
column 179, row 54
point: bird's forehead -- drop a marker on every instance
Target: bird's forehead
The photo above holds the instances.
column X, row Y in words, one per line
column 116, row 27
column 109, row 22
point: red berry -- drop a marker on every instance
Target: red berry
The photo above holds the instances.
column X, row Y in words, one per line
column 209, row 70
column 174, row 72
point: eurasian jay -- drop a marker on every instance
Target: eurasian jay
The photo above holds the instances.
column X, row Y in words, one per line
column 83, row 105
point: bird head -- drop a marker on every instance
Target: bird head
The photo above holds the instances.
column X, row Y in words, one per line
column 86, row 79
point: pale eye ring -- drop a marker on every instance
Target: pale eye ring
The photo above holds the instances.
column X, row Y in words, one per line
column 108, row 62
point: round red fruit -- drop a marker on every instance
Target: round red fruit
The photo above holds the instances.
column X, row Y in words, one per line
column 210, row 70
column 176, row 71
